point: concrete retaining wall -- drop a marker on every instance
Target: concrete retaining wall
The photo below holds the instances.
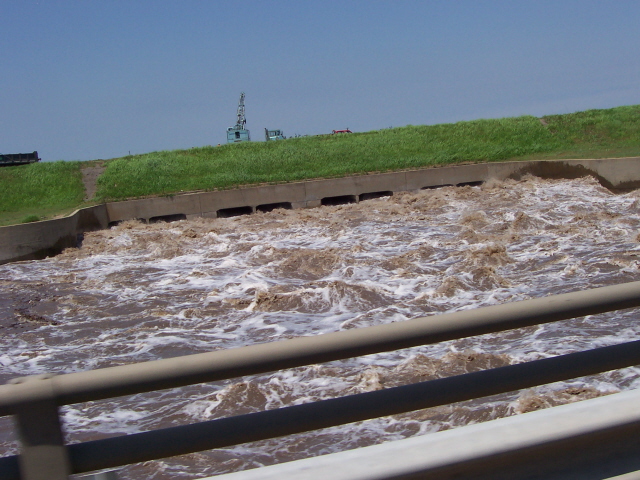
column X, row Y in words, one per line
column 38, row 240
column 41, row 239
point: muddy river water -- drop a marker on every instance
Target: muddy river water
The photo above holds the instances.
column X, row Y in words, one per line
column 141, row 292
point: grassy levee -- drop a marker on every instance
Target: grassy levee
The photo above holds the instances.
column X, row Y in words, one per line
column 45, row 189
column 594, row 133
column 325, row 156
column 29, row 193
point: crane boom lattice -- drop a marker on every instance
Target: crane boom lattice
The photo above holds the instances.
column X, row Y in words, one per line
column 238, row 133
column 241, row 120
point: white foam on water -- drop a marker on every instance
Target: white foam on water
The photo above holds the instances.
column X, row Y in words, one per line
column 142, row 292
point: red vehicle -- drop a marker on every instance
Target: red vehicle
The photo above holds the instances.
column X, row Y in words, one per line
column 341, row 131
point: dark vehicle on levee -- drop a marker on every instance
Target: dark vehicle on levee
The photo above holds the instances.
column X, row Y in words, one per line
column 9, row 159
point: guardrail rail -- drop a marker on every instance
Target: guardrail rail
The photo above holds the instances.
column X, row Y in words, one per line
column 34, row 401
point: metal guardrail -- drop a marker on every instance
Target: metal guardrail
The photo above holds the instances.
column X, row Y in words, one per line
column 35, row 400
column 587, row 440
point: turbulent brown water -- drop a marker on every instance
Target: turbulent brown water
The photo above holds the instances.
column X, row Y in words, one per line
column 141, row 292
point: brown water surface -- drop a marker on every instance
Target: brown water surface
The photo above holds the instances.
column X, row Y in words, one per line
column 141, row 292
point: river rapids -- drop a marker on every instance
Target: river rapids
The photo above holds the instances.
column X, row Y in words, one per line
column 139, row 292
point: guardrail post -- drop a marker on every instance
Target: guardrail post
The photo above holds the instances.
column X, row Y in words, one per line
column 43, row 454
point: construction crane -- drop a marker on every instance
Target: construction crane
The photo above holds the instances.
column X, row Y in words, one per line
column 238, row 133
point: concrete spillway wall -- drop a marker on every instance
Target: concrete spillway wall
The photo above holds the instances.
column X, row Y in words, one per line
column 41, row 239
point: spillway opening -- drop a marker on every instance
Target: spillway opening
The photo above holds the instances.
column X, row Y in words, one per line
column 168, row 218
column 470, row 184
column 433, row 187
column 269, row 207
column 234, row 212
column 339, row 200
column 372, row 195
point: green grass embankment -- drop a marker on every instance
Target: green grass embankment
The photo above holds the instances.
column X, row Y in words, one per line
column 320, row 157
column 29, row 193
column 594, row 133
column 590, row 134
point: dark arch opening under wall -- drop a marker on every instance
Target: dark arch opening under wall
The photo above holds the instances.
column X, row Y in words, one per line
column 269, row 207
column 339, row 200
column 372, row 195
column 234, row 212
column 168, row 218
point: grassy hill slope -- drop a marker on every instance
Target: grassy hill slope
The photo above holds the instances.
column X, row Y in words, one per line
column 40, row 190
column 590, row 134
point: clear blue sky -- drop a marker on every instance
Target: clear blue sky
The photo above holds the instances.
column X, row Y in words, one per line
column 83, row 80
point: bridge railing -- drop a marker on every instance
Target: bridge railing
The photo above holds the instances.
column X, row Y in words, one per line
column 34, row 401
